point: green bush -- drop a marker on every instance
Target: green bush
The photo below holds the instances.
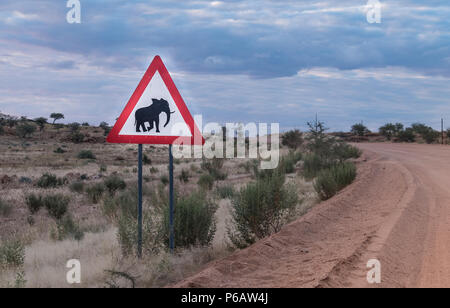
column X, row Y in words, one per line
column 49, row 180
column 260, row 209
column 343, row 151
column 194, row 221
column 86, row 154
column 146, row 160
column 12, row 254
column 114, row 183
column 59, row 150
column 34, row 203
column 206, row 181
column 213, row 167
column 56, row 205
column 292, row 139
column 332, row 180
column 406, row 135
column 225, row 192
column 164, row 179
column 430, row 135
column 313, row 164
column 288, row 162
column 5, row 208
column 95, row 192
column 154, row 170
column 184, row 176
column 77, row 187
column 76, row 137
column 123, row 210
column 359, row 130
column 25, row 130
column 67, row 228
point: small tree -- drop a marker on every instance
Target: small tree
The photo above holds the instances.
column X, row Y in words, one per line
column 406, row 135
column 292, row 139
column 41, row 123
column 56, row 117
column 391, row 130
column 25, row 130
column 359, row 130
column 74, row 127
column 318, row 142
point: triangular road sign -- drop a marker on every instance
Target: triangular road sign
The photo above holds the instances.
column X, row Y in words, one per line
column 156, row 113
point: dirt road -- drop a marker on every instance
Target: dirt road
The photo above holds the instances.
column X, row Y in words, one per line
column 397, row 211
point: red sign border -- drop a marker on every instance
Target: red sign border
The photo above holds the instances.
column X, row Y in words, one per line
column 156, row 65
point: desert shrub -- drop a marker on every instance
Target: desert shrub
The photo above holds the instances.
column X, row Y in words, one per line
column 359, row 130
column 34, row 203
column 76, row 137
column 25, row 180
column 292, row 139
column 164, row 179
column 313, row 164
column 184, row 176
column 213, row 167
column 74, row 127
column 391, row 130
column 206, row 181
column 12, row 254
column 56, row 205
column 287, row 163
column 194, row 221
column 5, row 208
column 25, row 130
column 225, row 191
column 95, row 192
column 59, row 150
column 154, row 170
column 66, row 228
column 103, row 168
column 332, row 180
column 41, row 121
column 2, row 130
column 49, row 180
column 114, row 183
column 86, row 154
column 343, row 151
column 406, row 135
column 146, row 160
column 260, row 209
column 124, row 211
column 430, row 135
column 85, row 124
column 77, row 187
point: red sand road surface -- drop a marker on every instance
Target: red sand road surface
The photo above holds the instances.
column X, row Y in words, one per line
column 397, row 211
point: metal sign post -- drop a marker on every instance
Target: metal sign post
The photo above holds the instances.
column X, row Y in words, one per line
column 171, row 236
column 139, row 252
column 139, row 124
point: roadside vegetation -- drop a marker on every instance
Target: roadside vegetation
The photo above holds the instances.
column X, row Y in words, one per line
column 77, row 196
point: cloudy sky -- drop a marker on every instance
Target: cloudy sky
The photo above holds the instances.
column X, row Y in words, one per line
column 233, row 61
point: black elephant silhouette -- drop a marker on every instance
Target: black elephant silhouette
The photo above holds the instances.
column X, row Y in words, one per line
column 151, row 114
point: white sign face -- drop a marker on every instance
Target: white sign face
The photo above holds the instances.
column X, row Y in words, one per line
column 156, row 113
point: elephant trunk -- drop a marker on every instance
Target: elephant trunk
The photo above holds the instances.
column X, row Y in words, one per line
column 167, row 112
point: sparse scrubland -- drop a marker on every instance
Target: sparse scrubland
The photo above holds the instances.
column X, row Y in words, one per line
column 66, row 194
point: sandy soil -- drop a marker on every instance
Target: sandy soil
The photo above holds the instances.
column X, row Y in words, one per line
column 397, row 211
